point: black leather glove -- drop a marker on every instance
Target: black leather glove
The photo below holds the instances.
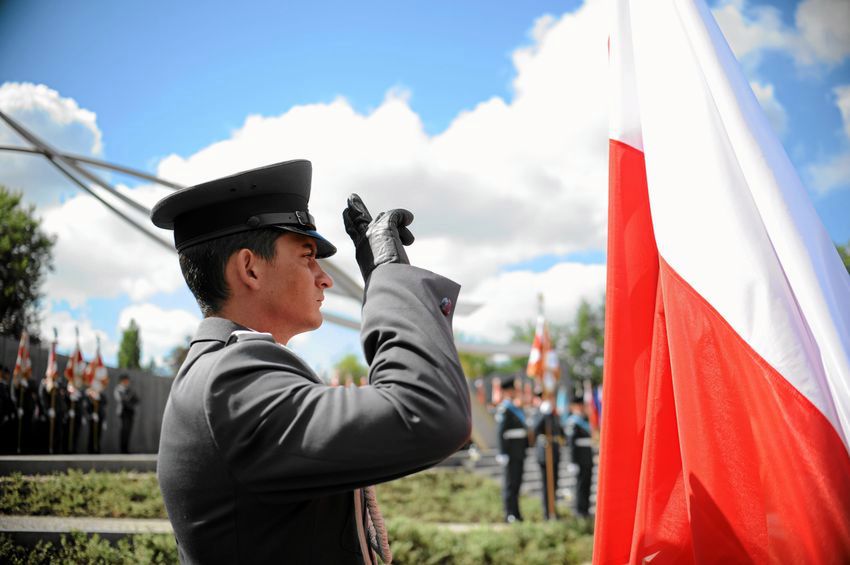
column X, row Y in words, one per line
column 377, row 241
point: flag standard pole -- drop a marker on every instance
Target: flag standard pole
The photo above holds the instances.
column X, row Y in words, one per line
column 96, row 424
column 20, row 412
column 550, row 472
column 52, row 416
column 71, row 422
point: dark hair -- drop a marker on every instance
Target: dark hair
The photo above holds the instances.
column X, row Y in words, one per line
column 203, row 264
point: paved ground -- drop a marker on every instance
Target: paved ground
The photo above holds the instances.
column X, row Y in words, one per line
column 90, row 525
column 103, row 526
column 45, row 464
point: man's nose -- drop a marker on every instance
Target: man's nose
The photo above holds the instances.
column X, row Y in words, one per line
column 324, row 280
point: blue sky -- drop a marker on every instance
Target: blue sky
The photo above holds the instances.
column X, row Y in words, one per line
column 387, row 98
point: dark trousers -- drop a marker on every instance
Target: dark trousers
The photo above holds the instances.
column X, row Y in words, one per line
column 584, row 460
column 126, row 428
column 545, row 490
column 95, row 435
column 510, row 487
column 72, row 430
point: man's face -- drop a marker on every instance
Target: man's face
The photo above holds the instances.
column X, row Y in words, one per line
column 295, row 285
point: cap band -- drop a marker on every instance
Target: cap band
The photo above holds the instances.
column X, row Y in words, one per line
column 226, row 218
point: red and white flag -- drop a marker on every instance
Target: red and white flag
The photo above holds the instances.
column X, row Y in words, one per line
column 543, row 362
column 23, row 367
column 75, row 368
column 727, row 336
column 52, row 371
column 96, row 375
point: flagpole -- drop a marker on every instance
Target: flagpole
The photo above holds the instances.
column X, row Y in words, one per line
column 52, row 383
column 20, row 413
column 21, row 355
column 550, row 475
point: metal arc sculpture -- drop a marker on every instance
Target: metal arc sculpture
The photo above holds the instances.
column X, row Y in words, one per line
column 71, row 166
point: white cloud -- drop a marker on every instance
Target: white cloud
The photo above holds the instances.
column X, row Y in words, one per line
column 58, row 121
column 506, row 182
column 160, row 330
column 66, row 326
column 820, row 36
column 751, row 30
column 825, row 30
column 842, row 100
column 99, row 255
column 509, row 180
column 511, row 298
column 834, row 172
column 775, row 111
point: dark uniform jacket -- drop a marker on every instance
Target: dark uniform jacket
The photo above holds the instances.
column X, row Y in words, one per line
column 541, row 423
column 512, row 430
column 258, row 459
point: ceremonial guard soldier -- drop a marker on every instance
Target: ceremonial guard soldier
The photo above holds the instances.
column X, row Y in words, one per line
column 549, row 436
column 126, row 403
column 8, row 416
column 53, row 395
column 259, row 460
column 581, row 447
column 513, row 442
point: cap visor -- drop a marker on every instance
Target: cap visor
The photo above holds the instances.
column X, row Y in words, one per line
column 324, row 247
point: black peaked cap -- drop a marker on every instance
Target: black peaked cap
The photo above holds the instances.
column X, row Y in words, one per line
column 275, row 196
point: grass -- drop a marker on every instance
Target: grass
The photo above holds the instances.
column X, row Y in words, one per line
column 97, row 495
column 414, row 507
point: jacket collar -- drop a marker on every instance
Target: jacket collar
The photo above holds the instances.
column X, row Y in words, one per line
column 216, row 329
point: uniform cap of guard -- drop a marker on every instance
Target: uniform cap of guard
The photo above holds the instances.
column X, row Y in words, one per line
column 509, row 382
column 275, row 196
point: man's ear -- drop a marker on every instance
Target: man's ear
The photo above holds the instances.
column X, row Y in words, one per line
column 244, row 267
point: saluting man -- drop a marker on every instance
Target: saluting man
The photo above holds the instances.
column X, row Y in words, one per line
column 259, row 460
column 513, row 442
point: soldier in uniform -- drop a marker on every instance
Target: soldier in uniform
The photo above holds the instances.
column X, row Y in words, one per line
column 126, row 403
column 546, row 428
column 53, row 401
column 513, row 442
column 578, row 432
column 259, row 460
column 8, row 415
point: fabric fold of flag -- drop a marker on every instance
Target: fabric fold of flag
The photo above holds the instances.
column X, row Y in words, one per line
column 727, row 346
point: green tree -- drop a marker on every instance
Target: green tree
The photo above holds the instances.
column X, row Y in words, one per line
column 584, row 343
column 579, row 344
column 130, row 350
column 844, row 252
column 178, row 355
column 25, row 257
column 475, row 365
column 350, row 365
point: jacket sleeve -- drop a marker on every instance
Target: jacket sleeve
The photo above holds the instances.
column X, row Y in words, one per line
column 287, row 436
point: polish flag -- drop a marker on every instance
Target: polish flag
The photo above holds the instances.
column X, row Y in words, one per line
column 727, row 346
column 52, row 371
column 75, row 368
column 96, row 375
column 543, row 363
column 23, row 366
column 536, row 359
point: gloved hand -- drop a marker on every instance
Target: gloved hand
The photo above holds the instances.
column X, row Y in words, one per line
column 502, row 459
column 378, row 241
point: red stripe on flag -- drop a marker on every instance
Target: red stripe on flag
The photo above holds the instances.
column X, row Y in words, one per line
column 632, row 276
column 768, row 477
column 708, row 453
